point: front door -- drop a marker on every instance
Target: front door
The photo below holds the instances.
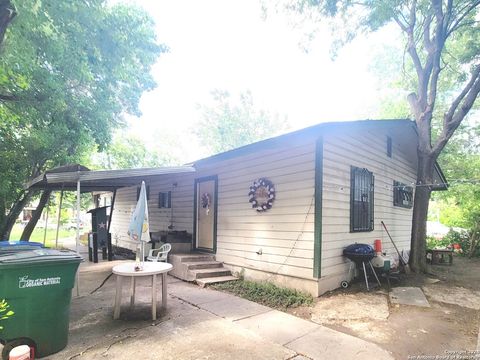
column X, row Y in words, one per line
column 206, row 213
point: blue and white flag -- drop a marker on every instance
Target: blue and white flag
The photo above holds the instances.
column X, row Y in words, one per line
column 138, row 230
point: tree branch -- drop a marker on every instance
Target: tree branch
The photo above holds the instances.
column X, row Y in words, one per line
column 7, row 13
column 23, row 97
column 427, row 42
column 412, row 49
column 465, row 13
column 461, row 96
column 403, row 26
column 8, row 97
column 448, row 15
column 436, row 52
column 455, row 115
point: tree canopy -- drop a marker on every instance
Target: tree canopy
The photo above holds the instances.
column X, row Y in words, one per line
column 68, row 71
column 460, row 206
column 127, row 151
column 441, row 42
column 228, row 124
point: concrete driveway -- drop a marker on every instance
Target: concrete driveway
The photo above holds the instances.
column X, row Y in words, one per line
column 198, row 324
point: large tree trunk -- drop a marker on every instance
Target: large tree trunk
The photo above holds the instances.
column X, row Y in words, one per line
column 27, row 232
column 7, row 13
column 3, row 216
column 420, row 211
column 474, row 238
column 13, row 215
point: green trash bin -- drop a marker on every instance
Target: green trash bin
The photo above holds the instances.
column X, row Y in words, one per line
column 38, row 287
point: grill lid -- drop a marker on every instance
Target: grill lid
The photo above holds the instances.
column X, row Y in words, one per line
column 359, row 252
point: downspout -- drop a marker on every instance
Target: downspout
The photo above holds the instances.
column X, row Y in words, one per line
column 170, row 227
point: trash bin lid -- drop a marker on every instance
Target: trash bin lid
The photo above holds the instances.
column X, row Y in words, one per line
column 14, row 243
column 39, row 256
column 14, row 246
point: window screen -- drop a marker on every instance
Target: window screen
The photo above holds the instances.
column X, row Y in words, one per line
column 402, row 195
column 361, row 200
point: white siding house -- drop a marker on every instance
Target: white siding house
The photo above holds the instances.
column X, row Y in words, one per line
column 298, row 242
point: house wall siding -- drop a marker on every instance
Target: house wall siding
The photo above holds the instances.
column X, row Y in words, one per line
column 363, row 149
column 160, row 218
column 284, row 233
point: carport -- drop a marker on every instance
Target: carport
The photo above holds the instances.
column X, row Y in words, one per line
column 80, row 179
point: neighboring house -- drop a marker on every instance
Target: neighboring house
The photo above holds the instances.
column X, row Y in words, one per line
column 436, row 229
column 333, row 185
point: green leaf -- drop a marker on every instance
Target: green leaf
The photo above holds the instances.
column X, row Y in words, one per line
column 75, row 68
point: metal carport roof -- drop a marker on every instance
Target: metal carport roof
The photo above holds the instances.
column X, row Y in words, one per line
column 67, row 177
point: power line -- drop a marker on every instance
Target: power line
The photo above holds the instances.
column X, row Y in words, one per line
column 342, row 187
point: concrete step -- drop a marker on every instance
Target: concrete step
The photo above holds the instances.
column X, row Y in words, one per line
column 197, row 258
column 208, row 273
column 213, row 280
column 203, row 265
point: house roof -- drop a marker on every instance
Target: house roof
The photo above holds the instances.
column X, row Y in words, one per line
column 66, row 177
column 315, row 131
column 443, row 183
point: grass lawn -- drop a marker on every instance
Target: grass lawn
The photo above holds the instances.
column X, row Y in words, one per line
column 38, row 234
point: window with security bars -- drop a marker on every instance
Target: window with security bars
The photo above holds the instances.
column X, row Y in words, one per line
column 361, row 200
column 402, row 195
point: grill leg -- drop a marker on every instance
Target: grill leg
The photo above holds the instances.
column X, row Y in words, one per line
column 350, row 268
column 374, row 273
column 365, row 274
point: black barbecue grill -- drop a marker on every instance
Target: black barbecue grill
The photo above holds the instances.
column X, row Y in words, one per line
column 360, row 254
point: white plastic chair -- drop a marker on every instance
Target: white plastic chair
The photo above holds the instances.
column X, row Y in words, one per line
column 159, row 254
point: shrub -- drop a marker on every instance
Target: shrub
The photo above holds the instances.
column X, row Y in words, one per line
column 4, row 312
column 433, row 242
column 266, row 293
column 459, row 237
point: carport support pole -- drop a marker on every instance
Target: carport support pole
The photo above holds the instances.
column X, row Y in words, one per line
column 46, row 223
column 58, row 218
column 78, row 231
column 78, row 218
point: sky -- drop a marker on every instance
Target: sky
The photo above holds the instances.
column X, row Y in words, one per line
column 229, row 45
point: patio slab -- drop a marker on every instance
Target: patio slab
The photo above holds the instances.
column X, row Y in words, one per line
column 197, row 324
column 183, row 332
column 408, row 296
column 323, row 341
column 277, row 326
column 195, row 295
column 234, row 308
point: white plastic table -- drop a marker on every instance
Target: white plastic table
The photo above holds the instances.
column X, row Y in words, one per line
column 149, row 269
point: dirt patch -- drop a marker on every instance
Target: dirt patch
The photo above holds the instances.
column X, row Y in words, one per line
column 409, row 330
column 464, row 272
column 343, row 307
column 450, row 324
column 380, row 332
column 454, row 295
column 432, row 331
